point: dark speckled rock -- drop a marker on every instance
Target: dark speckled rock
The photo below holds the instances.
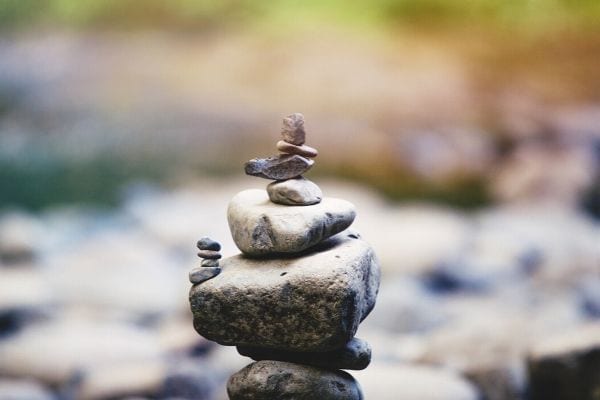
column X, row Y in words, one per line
column 280, row 167
column 271, row 380
column 356, row 354
column 310, row 303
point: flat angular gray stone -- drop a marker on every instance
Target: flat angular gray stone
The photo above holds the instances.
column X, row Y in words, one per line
column 284, row 166
column 202, row 274
column 356, row 354
column 312, row 303
column 209, row 263
column 271, row 380
column 260, row 227
column 295, row 192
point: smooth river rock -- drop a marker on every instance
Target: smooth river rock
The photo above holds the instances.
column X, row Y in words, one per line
column 295, row 192
column 206, row 243
column 356, row 354
column 303, row 150
column 270, row 380
column 260, row 227
column 284, row 166
column 201, row 274
column 309, row 303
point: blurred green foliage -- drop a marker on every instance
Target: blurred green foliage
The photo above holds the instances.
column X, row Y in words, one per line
column 129, row 14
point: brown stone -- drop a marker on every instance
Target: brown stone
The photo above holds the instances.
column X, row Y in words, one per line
column 293, row 129
column 303, row 150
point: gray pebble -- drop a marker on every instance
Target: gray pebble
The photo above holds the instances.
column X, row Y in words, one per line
column 280, row 167
column 210, row 263
column 295, row 192
column 270, row 380
column 198, row 275
column 206, row 243
column 209, row 254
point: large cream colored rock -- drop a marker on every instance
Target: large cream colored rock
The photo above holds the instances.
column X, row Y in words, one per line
column 260, row 227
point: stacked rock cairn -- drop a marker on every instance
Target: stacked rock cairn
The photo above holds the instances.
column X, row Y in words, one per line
column 293, row 300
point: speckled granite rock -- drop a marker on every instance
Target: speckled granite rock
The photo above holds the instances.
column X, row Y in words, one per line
column 294, row 192
column 270, row 380
column 310, row 303
column 284, row 166
column 356, row 354
column 260, row 227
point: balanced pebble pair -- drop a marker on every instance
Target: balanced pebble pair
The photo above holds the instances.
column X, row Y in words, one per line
column 294, row 298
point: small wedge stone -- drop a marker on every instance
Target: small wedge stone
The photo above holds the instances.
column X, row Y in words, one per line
column 209, row 254
column 293, row 129
column 280, row 167
column 303, row 150
column 206, row 243
column 210, row 263
column 198, row 275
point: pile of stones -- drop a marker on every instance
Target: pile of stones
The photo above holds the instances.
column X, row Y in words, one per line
column 293, row 300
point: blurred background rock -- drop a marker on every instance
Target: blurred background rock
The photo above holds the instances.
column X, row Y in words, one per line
column 467, row 133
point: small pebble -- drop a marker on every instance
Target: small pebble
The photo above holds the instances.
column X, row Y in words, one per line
column 294, row 192
column 293, row 129
column 198, row 275
column 303, row 150
column 209, row 254
column 210, row 263
column 206, row 243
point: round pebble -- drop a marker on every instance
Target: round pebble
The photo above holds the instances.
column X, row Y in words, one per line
column 209, row 254
column 206, row 243
column 303, row 150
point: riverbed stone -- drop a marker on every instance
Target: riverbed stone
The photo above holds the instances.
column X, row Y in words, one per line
column 260, row 227
column 209, row 263
column 199, row 275
column 209, row 254
column 206, row 243
column 293, row 129
column 356, row 354
column 310, row 303
column 284, row 166
column 566, row 366
column 295, row 192
column 303, row 150
column 268, row 380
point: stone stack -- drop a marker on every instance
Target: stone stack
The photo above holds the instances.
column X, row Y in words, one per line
column 293, row 300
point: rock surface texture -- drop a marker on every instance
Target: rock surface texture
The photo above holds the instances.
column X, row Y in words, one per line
column 261, row 227
column 294, row 192
column 294, row 298
column 269, row 380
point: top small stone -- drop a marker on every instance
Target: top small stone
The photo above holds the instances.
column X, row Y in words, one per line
column 208, row 244
column 293, row 129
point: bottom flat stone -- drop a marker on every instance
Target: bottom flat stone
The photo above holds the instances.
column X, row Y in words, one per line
column 269, row 380
column 356, row 354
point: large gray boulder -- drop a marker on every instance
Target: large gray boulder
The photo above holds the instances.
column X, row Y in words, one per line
column 260, row 227
column 566, row 366
column 310, row 303
column 268, row 380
